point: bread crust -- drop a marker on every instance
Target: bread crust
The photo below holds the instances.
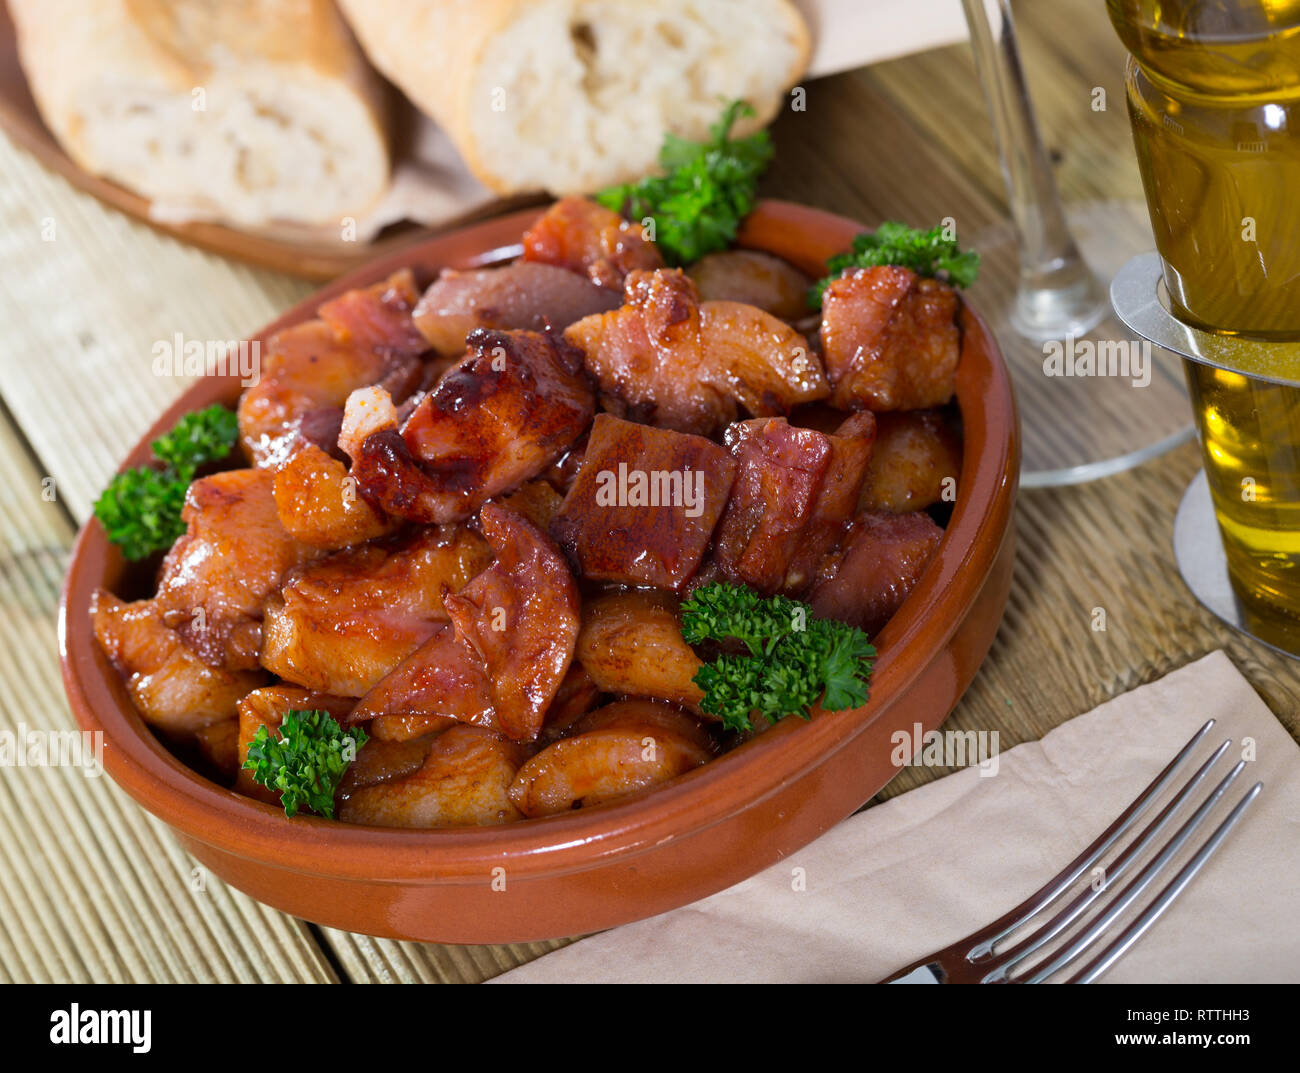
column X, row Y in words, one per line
column 440, row 54
column 74, row 49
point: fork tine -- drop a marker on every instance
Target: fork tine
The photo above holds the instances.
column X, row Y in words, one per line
column 1003, row 961
column 1152, row 913
column 985, row 939
column 1135, row 887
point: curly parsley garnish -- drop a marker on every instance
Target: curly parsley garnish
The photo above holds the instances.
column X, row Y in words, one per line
column 140, row 509
column 306, row 761
column 706, row 189
column 927, row 253
column 793, row 659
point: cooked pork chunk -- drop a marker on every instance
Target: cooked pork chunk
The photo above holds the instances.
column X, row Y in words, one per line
column 217, row 577
column 590, row 239
column 173, row 689
column 796, row 491
column 523, row 294
column 343, row 623
column 362, row 337
column 890, row 340
column 498, row 418
column 880, row 562
column 510, row 642
column 644, row 505
column 667, row 359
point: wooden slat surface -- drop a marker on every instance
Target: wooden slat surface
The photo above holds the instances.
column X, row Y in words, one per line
column 92, row 888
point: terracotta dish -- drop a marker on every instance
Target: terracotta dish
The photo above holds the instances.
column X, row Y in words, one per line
column 599, row 867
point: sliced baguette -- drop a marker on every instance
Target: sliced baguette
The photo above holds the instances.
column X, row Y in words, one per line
column 251, row 112
column 573, row 95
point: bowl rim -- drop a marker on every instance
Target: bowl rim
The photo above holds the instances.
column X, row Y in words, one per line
column 197, row 807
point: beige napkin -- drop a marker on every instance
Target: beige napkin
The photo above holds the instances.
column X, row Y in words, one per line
column 921, row 870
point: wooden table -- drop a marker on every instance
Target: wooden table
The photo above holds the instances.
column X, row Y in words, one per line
column 92, row 888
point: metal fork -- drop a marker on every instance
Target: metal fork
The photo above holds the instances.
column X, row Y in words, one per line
column 976, row 959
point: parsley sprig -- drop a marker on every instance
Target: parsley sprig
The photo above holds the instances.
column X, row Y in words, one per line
column 792, row 661
column 140, row 509
column 705, row 190
column 926, row 253
column 306, row 761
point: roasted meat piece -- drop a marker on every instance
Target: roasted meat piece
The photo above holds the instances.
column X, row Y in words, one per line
column 590, row 239
column 631, row 644
column 464, row 781
column 496, row 419
column 511, row 638
column 524, row 294
column 754, row 278
column 917, row 453
column 318, row 503
column 217, row 577
column 880, row 562
column 890, row 340
column 341, row 624
column 644, row 505
column 173, row 689
column 616, row 750
column 667, row 359
column 796, row 491
column 362, row 337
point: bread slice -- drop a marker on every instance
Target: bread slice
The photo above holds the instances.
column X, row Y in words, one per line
column 574, row 95
column 246, row 111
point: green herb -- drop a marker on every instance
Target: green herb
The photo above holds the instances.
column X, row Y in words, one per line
column 140, row 509
column 197, row 438
column 306, row 761
column 793, row 659
column 926, row 253
column 706, row 189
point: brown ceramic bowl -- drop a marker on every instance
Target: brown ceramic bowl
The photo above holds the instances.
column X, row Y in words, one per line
column 599, row 867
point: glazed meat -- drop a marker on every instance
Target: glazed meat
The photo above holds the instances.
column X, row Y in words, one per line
column 343, row 623
column 644, row 505
column 378, row 762
column 510, row 642
column 218, row 743
column 362, row 337
column 890, row 340
column 667, row 359
column 267, row 708
column 796, row 491
column 463, row 782
column 756, row 279
column 631, row 644
column 882, row 559
column 318, row 504
column 497, row 419
column 174, row 690
column 217, row 577
column 590, row 239
column 617, row 750
column 524, row 294
column 916, row 453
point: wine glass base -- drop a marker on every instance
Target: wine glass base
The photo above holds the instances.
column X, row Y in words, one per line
column 1094, row 403
column 1204, row 568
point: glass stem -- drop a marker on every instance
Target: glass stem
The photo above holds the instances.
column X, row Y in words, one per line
column 1058, row 295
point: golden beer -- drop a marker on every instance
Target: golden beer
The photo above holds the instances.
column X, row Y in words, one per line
column 1213, row 92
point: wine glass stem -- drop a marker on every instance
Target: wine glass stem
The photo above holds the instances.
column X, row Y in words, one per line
column 1057, row 295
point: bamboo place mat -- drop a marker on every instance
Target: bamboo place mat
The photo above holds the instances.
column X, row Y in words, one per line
column 92, row 888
